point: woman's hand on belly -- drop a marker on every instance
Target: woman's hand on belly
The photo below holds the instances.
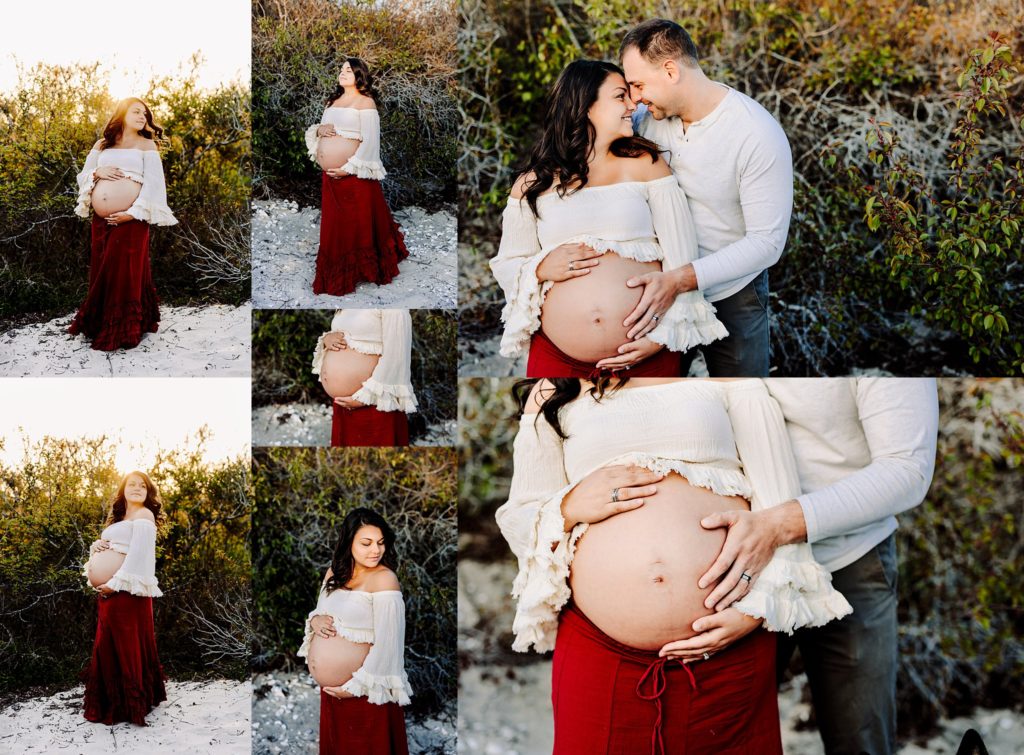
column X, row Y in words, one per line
column 335, row 342
column 348, row 402
column 716, row 632
column 337, row 173
column 567, row 261
column 337, row 692
column 108, row 172
column 119, row 218
column 631, row 354
column 323, row 626
column 592, row 499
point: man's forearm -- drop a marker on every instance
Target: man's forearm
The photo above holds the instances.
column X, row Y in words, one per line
column 787, row 522
column 684, row 278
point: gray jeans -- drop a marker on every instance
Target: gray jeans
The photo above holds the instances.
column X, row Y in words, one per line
column 744, row 352
column 851, row 663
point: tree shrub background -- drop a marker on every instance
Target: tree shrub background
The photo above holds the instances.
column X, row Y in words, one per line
column 898, row 257
column 282, row 352
column 298, row 48
column 302, row 497
column 49, row 123
column 53, row 505
column 961, row 612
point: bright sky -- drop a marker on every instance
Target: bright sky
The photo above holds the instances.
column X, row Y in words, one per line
column 144, row 413
column 134, row 43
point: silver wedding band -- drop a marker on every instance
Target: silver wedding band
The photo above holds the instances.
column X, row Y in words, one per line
column 571, row 265
column 657, row 317
column 707, row 656
column 615, row 495
column 745, row 576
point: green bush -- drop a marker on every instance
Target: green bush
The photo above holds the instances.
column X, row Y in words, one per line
column 53, row 505
column 302, row 496
column 298, row 48
column 49, row 123
column 824, row 70
column 282, row 352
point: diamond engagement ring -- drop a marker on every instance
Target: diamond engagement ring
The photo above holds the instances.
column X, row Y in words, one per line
column 707, row 656
column 571, row 265
column 615, row 495
column 657, row 318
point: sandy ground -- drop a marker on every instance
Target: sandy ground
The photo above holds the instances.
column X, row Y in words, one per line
column 286, row 719
column 197, row 717
column 191, row 342
column 310, row 425
column 285, row 238
column 504, row 697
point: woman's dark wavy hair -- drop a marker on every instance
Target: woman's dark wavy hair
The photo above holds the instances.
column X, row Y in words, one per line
column 364, row 82
column 560, row 392
column 342, row 563
column 115, row 126
column 119, row 504
column 561, row 152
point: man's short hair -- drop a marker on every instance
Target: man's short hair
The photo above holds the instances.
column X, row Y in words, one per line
column 659, row 39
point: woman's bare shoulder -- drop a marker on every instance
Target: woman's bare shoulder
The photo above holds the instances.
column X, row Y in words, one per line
column 538, row 395
column 519, row 187
column 381, row 580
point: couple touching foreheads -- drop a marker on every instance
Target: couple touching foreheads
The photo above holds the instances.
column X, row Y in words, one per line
column 643, row 222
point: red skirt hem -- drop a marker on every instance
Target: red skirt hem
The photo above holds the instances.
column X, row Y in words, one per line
column 368, row 426
column 610, row 698
column 355, row 726
column 124, row 680
column 359, row 239
column 546, row 360
column 122, row 304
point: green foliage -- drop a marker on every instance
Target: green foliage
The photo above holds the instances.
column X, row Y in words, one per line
column 298, row 49
column 48, row 124
column 53, row 505
column 958, row 253
column 824, row 70
column 302, row 497
column 282, row 352
column 961, row 611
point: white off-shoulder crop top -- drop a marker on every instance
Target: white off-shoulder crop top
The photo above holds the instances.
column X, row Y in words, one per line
column 387, row 332
column 136, row 538
column 639, row 220
column 377, row 618
column 353, row 123
column 140, row 165
column 728, row 437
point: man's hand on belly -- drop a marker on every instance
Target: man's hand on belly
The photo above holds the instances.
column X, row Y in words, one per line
column 660, row 292
column 749, row 545
column 717, row 632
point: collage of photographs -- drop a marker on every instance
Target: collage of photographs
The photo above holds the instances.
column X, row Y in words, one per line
column 463, row 377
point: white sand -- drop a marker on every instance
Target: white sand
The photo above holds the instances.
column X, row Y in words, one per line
column 197, row 717
column 285, row 239
column 208, row 341
column 310, row 425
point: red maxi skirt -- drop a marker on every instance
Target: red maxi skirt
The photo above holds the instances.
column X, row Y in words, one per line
column 548, row 361
column 122, row 304
column 124, row 680
column 614, row 699
column 359, row 240
column 368, row 426
column 355, row 726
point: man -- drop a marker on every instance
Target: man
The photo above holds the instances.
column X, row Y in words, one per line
column 865, row 451
column 734, row 163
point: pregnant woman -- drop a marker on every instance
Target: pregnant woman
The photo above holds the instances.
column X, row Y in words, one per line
column 359, row 240
column 355, row 641
column 365, row 365
column 606, row 529
column 123, row 184
column 595, row 207
column 124, row 680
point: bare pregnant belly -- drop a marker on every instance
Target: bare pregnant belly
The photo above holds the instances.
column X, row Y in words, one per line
column 114, row 195
column 583, row 316
column 635, row 574
column 334, row 151
column 102, row 566
column 344, row 372
column 333, row 660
